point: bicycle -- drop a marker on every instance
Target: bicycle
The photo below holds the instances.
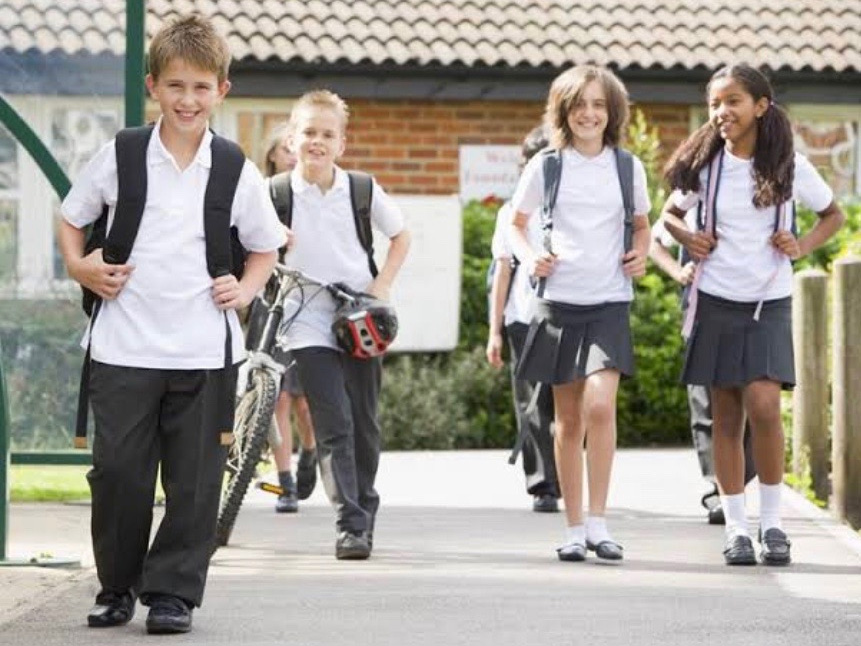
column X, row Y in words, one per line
column 253, row 424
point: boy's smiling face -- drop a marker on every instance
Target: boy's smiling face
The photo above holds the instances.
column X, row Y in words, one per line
column 316, row 138
column 186, row 95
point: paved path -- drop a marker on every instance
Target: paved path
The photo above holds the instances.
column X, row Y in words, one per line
column 460, row 559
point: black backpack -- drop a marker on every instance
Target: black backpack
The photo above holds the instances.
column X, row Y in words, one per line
column 224, row 253
column 361, row 196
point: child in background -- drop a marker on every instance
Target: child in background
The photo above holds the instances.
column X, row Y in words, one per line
column 511, row 301
column 291, row 398
column 699, row 402
column 342, row 390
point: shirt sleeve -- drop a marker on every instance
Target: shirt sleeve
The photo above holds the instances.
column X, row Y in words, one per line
column 809, row 188
column 500, row 246
column 95, row 186
column 530, row 187
column 253, row 213
column 386, row 215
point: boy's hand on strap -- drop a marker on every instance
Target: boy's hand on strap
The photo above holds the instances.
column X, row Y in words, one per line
column 787, row 243
column 227, row 293
column 494, row 350
column 542, row 266
column 699, row 244
column 634, row 264
column 104, row 279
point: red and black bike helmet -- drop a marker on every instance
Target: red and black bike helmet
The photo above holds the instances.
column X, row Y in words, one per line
column 365, row 326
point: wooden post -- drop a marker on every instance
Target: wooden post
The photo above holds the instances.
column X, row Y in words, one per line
column 846, row 447
column 810, row 399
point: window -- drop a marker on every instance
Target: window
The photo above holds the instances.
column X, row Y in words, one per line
column 9, row 184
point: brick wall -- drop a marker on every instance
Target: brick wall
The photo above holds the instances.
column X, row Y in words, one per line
column 412, row 146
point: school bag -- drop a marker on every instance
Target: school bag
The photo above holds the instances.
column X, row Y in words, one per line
column 224, row 252
column 552, row 166
column 361, row 196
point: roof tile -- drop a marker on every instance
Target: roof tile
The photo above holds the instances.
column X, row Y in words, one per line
column 790, row 34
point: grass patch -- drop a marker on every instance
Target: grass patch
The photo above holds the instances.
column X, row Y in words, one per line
column 55, row 483
column 48, row 483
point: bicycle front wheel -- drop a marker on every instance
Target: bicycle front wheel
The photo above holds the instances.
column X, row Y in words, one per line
column 254, row 412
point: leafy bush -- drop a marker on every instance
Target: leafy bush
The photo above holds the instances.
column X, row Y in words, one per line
column 846, row 241
column 444, row 402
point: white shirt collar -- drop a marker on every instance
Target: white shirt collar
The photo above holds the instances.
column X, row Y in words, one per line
column 157, row 153
column 299, row 185
column 604, row 158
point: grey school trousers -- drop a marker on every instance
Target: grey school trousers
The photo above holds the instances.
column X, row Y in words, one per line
column 145, row 419
column 342, row 395
column 539, row 465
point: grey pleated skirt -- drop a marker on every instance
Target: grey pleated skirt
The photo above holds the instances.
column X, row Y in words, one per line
column 569, row 342
column 729, row 349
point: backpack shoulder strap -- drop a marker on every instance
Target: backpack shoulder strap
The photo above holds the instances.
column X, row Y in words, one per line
column 131, row 147
column 281, row 192
column 361, row 197
column 552, row 167
column 227, row 163
column 625, row 168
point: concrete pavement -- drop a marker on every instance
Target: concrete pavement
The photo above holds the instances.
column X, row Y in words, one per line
column 460, row 559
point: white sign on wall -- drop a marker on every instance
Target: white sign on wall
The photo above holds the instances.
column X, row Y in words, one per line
column 426, row 293
column 488, row 170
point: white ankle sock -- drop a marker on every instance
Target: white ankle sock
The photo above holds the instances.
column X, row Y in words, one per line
column 596, row 529
column 575, row 534
column 769, row 506
column 736, row 520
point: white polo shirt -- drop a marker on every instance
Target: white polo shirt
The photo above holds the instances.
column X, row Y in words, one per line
column 326, row 247
column 521, row 297
column 743, row 261
column 165, row 317
column 588, row 225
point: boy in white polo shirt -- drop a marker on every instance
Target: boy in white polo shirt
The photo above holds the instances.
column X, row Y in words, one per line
column 163, row 339
column 342, row 391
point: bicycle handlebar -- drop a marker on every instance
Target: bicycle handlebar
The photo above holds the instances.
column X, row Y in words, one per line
column 302, row 278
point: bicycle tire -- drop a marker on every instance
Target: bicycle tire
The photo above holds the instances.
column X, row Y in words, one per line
column 254, row 412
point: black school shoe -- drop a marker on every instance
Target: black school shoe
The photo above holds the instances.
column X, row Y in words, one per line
column 545, row 503
column 167, row 615
column 351, row 546
column 606, row 550
column 306, row 473
column 112, row 609
column 572, row 552
column 739, row 550
column 775, row 547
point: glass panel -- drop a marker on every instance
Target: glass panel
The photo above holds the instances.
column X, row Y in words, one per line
column 66, row 82
column 8, row 162
column 76, row 135
column 831, row 146
column 8, row 240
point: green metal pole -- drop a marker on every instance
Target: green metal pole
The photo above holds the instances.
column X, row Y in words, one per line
column 4, row 463
column 135, row 34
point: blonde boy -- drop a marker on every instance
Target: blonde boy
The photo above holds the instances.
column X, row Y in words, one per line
column 159, row 345
column 342, row 391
